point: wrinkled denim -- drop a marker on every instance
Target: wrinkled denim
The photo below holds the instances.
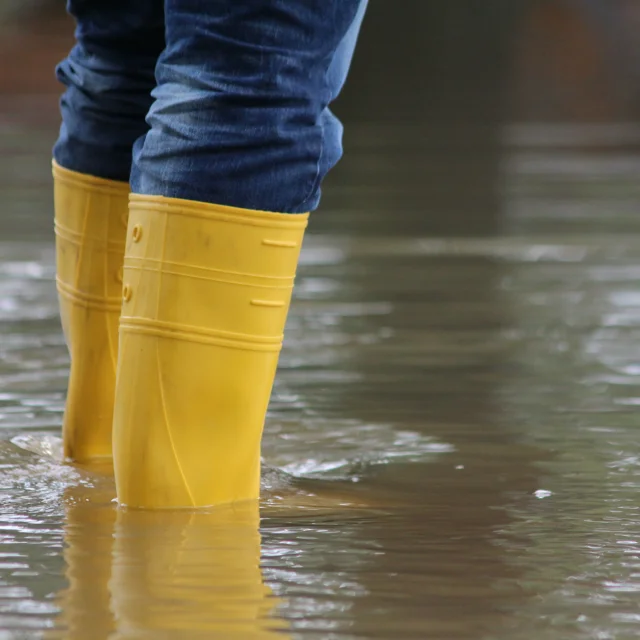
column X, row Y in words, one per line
column 221, row 101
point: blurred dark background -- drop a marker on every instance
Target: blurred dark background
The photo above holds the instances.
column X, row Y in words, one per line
column 521, row 57
column 433, row 89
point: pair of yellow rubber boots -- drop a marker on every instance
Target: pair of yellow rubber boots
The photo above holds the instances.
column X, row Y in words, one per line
column 174, row 314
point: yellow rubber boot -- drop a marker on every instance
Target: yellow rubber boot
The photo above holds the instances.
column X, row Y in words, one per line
column 206, row 295
column 90, row 223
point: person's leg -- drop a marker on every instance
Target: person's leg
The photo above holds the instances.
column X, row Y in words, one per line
column 109, row 76
column 241, row 113
column 241, row 137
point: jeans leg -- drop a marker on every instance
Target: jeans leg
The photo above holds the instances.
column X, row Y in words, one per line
column 241, row 113
column 109, row 75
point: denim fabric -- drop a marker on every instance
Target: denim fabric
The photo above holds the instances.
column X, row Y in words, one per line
column 235, row 93
column 109, row 76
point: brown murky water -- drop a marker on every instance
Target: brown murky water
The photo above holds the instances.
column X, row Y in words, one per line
column 452, row 447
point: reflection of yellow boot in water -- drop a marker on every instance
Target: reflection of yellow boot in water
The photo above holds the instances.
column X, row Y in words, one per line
column 90, row 221
column 157, row 574
column 206, row 294
column 88, row 536
column 196, row 574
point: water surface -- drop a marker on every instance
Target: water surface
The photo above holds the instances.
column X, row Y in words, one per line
column 451, row 450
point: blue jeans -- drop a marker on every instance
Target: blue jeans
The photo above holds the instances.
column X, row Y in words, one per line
column 221, row 101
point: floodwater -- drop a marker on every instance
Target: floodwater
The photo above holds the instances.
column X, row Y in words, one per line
column 451, row 450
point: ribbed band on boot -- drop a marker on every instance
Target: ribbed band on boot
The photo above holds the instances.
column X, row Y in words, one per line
column 90, row 215
column 256, row 282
